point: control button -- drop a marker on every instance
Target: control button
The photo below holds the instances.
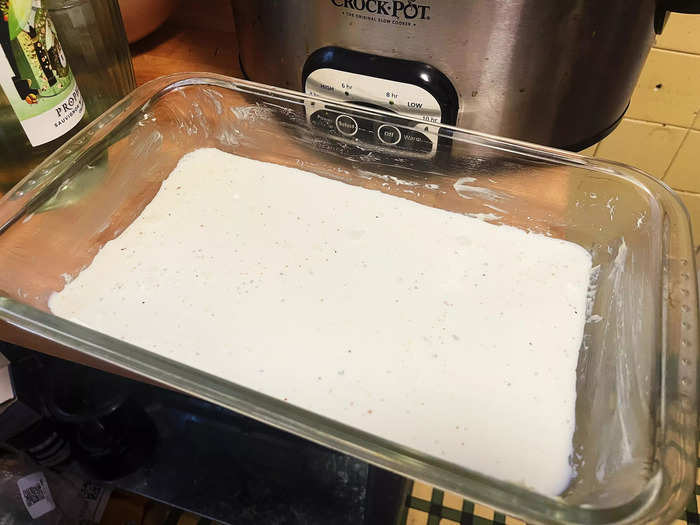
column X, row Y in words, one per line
column 346, row 125
column 416, row 141
column 389, row 134
column 324, row 119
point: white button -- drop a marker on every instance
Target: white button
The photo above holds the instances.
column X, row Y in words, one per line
column 346, row 125
column 389, row 134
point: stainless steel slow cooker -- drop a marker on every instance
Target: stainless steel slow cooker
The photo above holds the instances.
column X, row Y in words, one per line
column 554, row 72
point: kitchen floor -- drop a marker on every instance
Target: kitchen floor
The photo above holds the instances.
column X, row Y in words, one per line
column 429, row 506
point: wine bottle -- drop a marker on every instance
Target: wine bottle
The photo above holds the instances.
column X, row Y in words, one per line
column 62, row 63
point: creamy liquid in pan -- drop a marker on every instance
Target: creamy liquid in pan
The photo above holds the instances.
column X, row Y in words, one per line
column 440, row 332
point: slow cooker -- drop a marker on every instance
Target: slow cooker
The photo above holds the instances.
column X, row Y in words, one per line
column 559, row 73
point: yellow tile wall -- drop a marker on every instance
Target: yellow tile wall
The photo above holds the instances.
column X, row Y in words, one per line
column 661, row 130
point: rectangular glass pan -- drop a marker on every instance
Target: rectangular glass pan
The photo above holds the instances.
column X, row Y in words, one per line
column 636, row 409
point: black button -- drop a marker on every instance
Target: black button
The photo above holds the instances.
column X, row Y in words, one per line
column 389, row 134
column 324, row 119
column 346, row 125
column 416, row 141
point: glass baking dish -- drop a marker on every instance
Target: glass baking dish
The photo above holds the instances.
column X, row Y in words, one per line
column 636, row 409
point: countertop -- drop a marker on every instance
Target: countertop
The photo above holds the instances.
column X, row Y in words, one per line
column 197, row 37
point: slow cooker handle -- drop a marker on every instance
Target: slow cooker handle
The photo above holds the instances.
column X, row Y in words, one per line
column 678, row 6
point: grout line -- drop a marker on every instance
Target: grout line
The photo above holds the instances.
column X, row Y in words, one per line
column 687, row 192
column 688, row 53
column 665, row 124
column 675, row 154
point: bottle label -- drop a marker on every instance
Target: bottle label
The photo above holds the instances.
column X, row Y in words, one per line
column 34, row 73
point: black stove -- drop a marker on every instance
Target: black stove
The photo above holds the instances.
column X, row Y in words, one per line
column 186, row 452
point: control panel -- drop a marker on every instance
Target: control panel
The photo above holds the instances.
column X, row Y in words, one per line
column 403, row 87
column 351, row 126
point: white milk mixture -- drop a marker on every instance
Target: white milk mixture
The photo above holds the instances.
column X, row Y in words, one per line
column 440, row 332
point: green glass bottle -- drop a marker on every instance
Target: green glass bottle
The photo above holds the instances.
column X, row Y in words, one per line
column 62, row 63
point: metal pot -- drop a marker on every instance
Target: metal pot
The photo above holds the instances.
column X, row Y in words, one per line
column 552, row 72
